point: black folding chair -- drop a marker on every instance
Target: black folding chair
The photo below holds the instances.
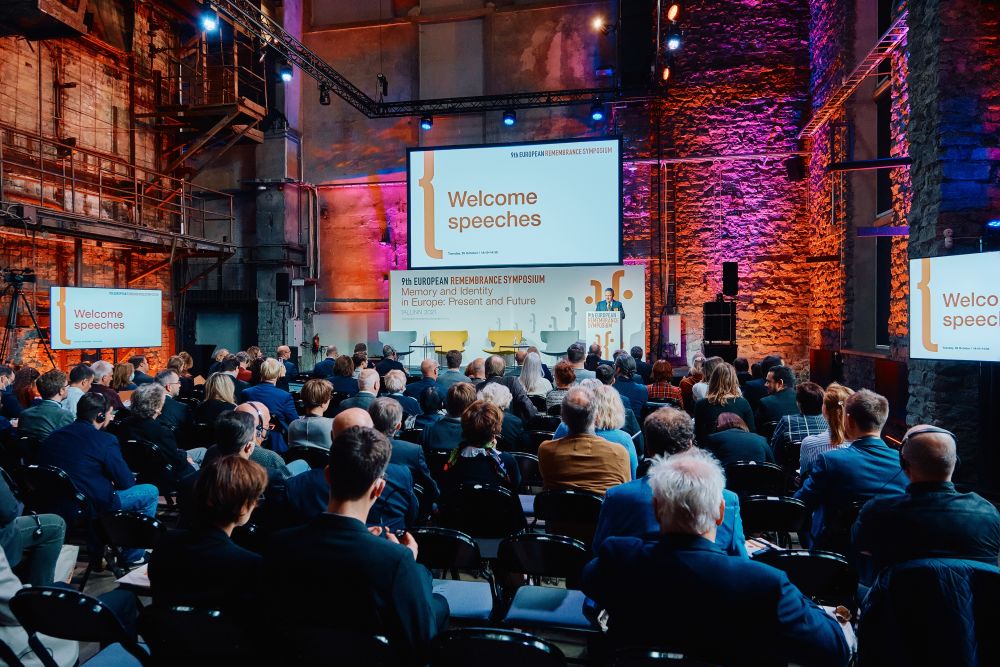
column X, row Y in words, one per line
column 451, row 551
column 414, row 435
column 316, row 457
column 485, row 511
column 542, row 422
column 494, row 647
column 533, row 439
column 531, row 477
column 748, row 478
column 26, row 448
column 824, row 576
column 523, row 560
column 127, row 530
column 653, row 406
column 151, row 466
column 197, row 637
column 68, row 614
column 48, row 490
column 554, row 410
column 335, row 399
column 773, row 514
column 569, row 512
column 836, row 534
column 436, row 460
column 8, row 657
column 538, row 402
column 655, row 657
column 202, row 435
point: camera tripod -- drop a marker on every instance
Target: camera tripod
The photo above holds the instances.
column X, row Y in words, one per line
column 16, row 292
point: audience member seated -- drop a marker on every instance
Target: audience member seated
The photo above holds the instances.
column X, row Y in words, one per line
column 769, row 620
column 278, row 401
column 254, row 369
column 565, row 378
column 175, row 415
column 103, row 374
column 453, row 373
column 475, row 372
column 780, row 400
column 237, row 433
column 31, row 543
column 343, row 379
column 609, row 419
column 446, row 433
column 202, row 567
column 244, row 361
column 360, row 361
column 264, row 429
column 395, row 383
column 732, row 442
column 644, row 369
column 742, row 367
column 625, row 382
column 606, row 375
column 834, row 436
column 142, row 424
column 324, row 369
column 80, row 379
column 531, row 377
column 519, row 357
column 313, row 429
column 387, row 418
column 592, row 360
column 756, row 388
column 581, row 460
column 723, row 396
column 217, row 358
column 230, row 367
column 24, row 389
column 628, row 508
column 793, row 429
column 390, row 362
column 512, row 430
column 476, row 460
column 336, row 573
column 932, row 520
column 867, row 468
column 661, row 387
column 9, row 407
column 284, row 355
column 179, row 363
column 700, row 389
column 431, row 408
column 93, row 460
column 121, row 379
column 219, row 398
column 696, row 374
column 575, row 356
column 521, row 405
column 40, row 420
column 429, row 375
column 307, row 494
column 369, row 383
column 141, row 374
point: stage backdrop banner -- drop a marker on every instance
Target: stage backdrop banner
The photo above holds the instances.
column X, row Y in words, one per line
column 88, row 318
column 532, row 300
column 602, row 328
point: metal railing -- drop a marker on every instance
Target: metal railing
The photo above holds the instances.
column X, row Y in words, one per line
column 64, row 178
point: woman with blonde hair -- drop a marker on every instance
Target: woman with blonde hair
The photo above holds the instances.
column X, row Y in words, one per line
column 219, row 397
column 121, row 377
column 723, row 396
column 835, row 437
column 609, row 418
column 531, row 376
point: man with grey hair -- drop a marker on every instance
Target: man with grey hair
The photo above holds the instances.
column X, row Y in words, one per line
column 174, row 414
column 521, row 404
column 103, row 372
column 762, row 607
column 395, row 383
column 387, row 417
column 390, row 362
column 512, row 427
column 866, row 469
column 368, row 383
column 142, row 424
column 932, row 519
column 628, row 508
column 582, row 460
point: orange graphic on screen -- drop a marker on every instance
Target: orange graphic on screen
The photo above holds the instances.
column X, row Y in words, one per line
column 608, row 340
column 61, row 306
column 427, row 185
column 616, row 279
column 925, row 303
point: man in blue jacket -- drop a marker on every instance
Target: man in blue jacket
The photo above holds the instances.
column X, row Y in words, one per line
column 628, row 508
column 676, row 591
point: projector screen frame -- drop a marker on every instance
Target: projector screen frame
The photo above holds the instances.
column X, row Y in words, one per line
column 409, row 207
column 56, row 345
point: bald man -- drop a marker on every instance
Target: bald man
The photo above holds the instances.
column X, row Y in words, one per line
column 429, row 373
column 284, row 355
column 932, row 519
column 270, row 460
column 351, row 417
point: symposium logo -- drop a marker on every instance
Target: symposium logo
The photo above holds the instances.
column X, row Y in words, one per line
column 925, row 305
column 426, row 183
column 61, row 306
column 616, row 279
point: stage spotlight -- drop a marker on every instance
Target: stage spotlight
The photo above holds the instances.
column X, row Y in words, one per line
column 673, row 38
column 598, row 23
column 509, row 117
column 426, row 122
column 993, row 225
column 673, row 11
column 597, row 110
column 666, row 71
column 324, row 96
column 209, row 21
column 285, row 72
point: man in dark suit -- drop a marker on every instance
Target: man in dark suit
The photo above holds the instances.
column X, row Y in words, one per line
column 634, row 393
column 284, row 354
column 446, row 433
column 780, row 400
column 336, row 573
column 732, row 442
column 628, row 508
column 390, row 362
column 609, row 303
column 40, row 420
column 429, row 371
column 867, row 468
column 387, row 418
column 769, row 620
column 932, row 520
column 231, row 366
column 521, row 404
column 175, row 415
column 743, row 375
column 641, row 367
column 395, row 382
column 324, row 369
column 756, row 389
column 369, row 383
column 143, row 424
column 142, row 375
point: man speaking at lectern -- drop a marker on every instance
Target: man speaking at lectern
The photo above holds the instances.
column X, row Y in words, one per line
column 609, row 303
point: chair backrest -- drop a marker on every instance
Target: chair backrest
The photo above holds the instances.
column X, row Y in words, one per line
column 446, row 549
column 781, row 514
column 449, row 340
column 131, row 530
column 557, row 342
column 436, row 459
column 483, row 510
column 652, row 406
column 747, row 478
column 527, row 464
column 47, row 489
column 179, row 635
column 414, row 435
column 494, row 647
column 316, row 457
column 655, row 657
column 336, row 398
column 825, row 577
column 538, row 402
column 67, row 614
column 544, row 423
column 150, row 464
column 202, row 435
column 400, row 340
column 538, row 555
column 27, row 447
column 505, row 337
column 569, row 512
column 554, row 410
column 532, row 439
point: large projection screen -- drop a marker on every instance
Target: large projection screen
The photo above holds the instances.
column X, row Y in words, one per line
column 955, row 307
column 90, row 317
column 535, row 204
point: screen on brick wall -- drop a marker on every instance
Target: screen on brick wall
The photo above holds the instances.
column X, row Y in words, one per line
column 955, row 307
column 90, row 317
column 533, row 204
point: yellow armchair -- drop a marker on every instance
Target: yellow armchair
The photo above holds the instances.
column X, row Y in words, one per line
column 449, row 340
column 504, row 341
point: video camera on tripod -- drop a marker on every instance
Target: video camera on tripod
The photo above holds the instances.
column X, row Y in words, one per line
column 18, row 276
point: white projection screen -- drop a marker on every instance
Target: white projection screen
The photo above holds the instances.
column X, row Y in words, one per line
column 955, row 307
column 91, row 317
column 533, row 204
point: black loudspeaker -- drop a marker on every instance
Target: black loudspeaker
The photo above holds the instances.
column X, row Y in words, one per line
column 730, row 278
column 637, row 44
column 795, row 167
column 282, row 289
column 720, row 321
